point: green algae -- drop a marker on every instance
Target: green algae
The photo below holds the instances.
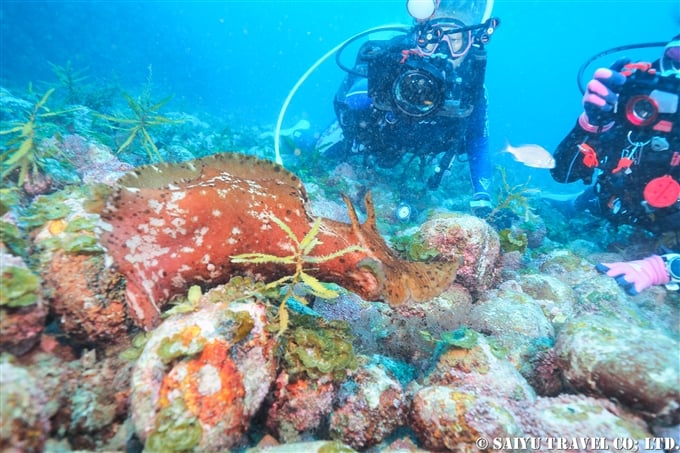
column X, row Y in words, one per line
column 464, row 338
column 244, row 325
column 414, row 247
column 9, row 197
column 18, row 287
column 240, row 288
column 175, row 430
column 185, row 343
column 44, row 209
column 11, row 236
column 74, row 243
column 497, row 348
column 335, row 447
column 512, row 241
column 575, row 412
column 81, row 224
column 137, row 347
column 319, row 348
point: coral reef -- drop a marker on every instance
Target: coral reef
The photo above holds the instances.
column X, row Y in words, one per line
column 514, row 337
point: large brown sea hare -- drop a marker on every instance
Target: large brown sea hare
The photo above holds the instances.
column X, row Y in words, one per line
column 170, row 226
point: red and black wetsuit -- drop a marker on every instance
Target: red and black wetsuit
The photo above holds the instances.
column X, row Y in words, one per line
column 627, row 158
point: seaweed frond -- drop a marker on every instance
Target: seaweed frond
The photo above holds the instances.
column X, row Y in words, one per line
column 137, row 127
column 71, row 79
column 514, row 198
column 300, row 258
column 22, row 151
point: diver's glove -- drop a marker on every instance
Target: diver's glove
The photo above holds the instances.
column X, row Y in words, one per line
column 636, row 276
column 601, row 97
column 481, row 205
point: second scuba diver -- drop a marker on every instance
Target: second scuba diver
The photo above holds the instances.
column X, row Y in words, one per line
column 626, row 145
column 422, row 94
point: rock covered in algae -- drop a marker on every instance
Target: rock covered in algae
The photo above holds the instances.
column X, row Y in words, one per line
column 24, row 422
column 610, row 358
column 319, row 446
column 509, row 310
column 466, row 236
column 556, row 298
column 403, row 332
column 371, row 405
column 447, row 419
column 87, row 297
column 203, row 375
column 570, row 417
column 95, row 163
column 469, row 361
column 300, row 406
column 566, row 266
column 22, row 309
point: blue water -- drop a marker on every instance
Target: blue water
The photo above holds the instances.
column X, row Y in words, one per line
column 238, row 60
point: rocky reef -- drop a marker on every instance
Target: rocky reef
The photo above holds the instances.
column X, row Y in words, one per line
column 221, row 304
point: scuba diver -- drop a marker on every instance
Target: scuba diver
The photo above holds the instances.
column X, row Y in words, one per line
column 421, row 95
column 626, row 144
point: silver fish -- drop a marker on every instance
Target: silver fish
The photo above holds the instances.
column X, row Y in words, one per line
column 532, row 155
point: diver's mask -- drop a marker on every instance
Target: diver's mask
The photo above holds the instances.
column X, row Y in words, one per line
column 670, row 61
column 431, row 37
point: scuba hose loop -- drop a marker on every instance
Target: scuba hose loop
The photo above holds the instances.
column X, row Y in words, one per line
column 337, row 49
column 604, row 53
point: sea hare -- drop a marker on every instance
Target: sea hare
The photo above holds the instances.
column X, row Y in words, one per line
column 170, row 226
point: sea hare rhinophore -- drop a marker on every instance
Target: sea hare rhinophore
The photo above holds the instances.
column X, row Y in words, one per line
column 170, row 226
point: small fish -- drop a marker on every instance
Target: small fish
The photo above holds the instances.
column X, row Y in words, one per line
column 532, row 155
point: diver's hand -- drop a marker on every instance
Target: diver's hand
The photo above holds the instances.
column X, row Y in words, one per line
column 636, row 276
column 480, row 205
column 600, row 98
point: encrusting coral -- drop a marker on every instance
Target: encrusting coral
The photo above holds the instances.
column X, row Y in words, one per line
column 174, row 225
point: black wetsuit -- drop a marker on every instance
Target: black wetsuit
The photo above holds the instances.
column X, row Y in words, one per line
column 386, row 134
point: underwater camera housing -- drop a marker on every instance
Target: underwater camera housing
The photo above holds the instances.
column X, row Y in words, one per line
column 650, row 101
column 423, row 86
column 415, row 88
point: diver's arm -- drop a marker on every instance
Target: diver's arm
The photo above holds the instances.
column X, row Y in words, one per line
column 569, row 159
column 636, row 276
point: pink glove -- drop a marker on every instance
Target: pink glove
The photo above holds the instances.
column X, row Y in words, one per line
column 636, row 276
column 600, row 99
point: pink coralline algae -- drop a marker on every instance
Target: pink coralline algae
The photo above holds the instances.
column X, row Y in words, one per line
column 300, row 406
column 95, row 163
column 373, row 408
column 86, row 296
column 466, row 236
